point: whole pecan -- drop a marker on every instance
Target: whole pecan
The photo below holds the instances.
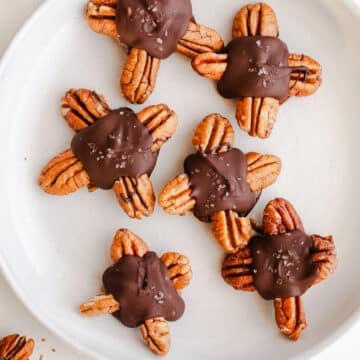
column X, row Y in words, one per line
column 280, row 217
column 179, row 269
column 324, row 256
column 236, row 270
column 135, row 196
column 161, row 122
column 175, row 198
column 304, row 83
column 101, row 16
column 156, row 334
column 125, row 242
column 138, row 78
column 199, row 39
column 16, row 347
column 210, row 65
column 290, row 316
column 257, row 116
column 257, row 19
column 63, row 175
column 82, row 107
column 100, row 305
column 213, row 135
column 230, row 230
column 263, row 170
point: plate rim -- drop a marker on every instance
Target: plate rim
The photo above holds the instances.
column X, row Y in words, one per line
column 315, row 349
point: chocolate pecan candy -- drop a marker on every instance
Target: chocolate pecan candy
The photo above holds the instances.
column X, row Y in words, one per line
column 141, row 289
column 257, row 69
column 115, row 149
column 282, row 263
column 220, row 183
column 151, row 30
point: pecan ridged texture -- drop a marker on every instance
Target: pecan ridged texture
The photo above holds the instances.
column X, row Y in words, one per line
column 290, row 316
column 100, row 305
column 161, row 123
column 230, row 230
column 156, row 334
column 280, row 217
column 210, row 65
column 101, row 16
column 125, row 242
column 257, row 116
column 257, row 19
column 82, row 107
column 139, row 75
column 179, row 269
column 263, row 170
column 323, row 254
column 199, row 39
column 175, row 198
column 236, row 270
column 304, row 83
column 135, row 196
column 63, row 175
column 16, row 347
column 213, row 135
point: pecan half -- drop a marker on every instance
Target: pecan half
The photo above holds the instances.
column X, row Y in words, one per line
column 139, row 76
column 280, row 217
column 213, row 135
column 135, row 196
column 101, row 16
column 161, row 122
column 257, row 19
column 324, row 256
column 175, row 198
column 63, row 175
column 179, row 269
column 257, row 116
column 210, row 65
column 231, row 231
column 16, row 347
column 199, row 39
column 302, row 83
column 156, row 334
column 125, row 242
column 100, row 305
column 290, row 316
column 82, row 107
column 263, row 170
column 236, row 270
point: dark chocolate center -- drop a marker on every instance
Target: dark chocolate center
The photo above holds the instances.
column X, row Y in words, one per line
column 257, row 67
column 219, row 182
column 143, row 289
column 281, row 264
column 153, row 25
column 114, row 146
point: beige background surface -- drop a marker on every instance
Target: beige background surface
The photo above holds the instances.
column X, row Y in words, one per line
column 13, row 315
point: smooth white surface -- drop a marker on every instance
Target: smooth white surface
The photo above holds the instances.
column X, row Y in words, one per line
column 59, row 260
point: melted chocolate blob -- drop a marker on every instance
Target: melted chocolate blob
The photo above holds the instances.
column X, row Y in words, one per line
column 281, row 264
column 153, row 25
column 143, row 289
column 219, row 182
column 257, row 67
column 114, row 146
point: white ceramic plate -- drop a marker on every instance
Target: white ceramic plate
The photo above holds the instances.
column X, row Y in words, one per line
column 54, row 250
